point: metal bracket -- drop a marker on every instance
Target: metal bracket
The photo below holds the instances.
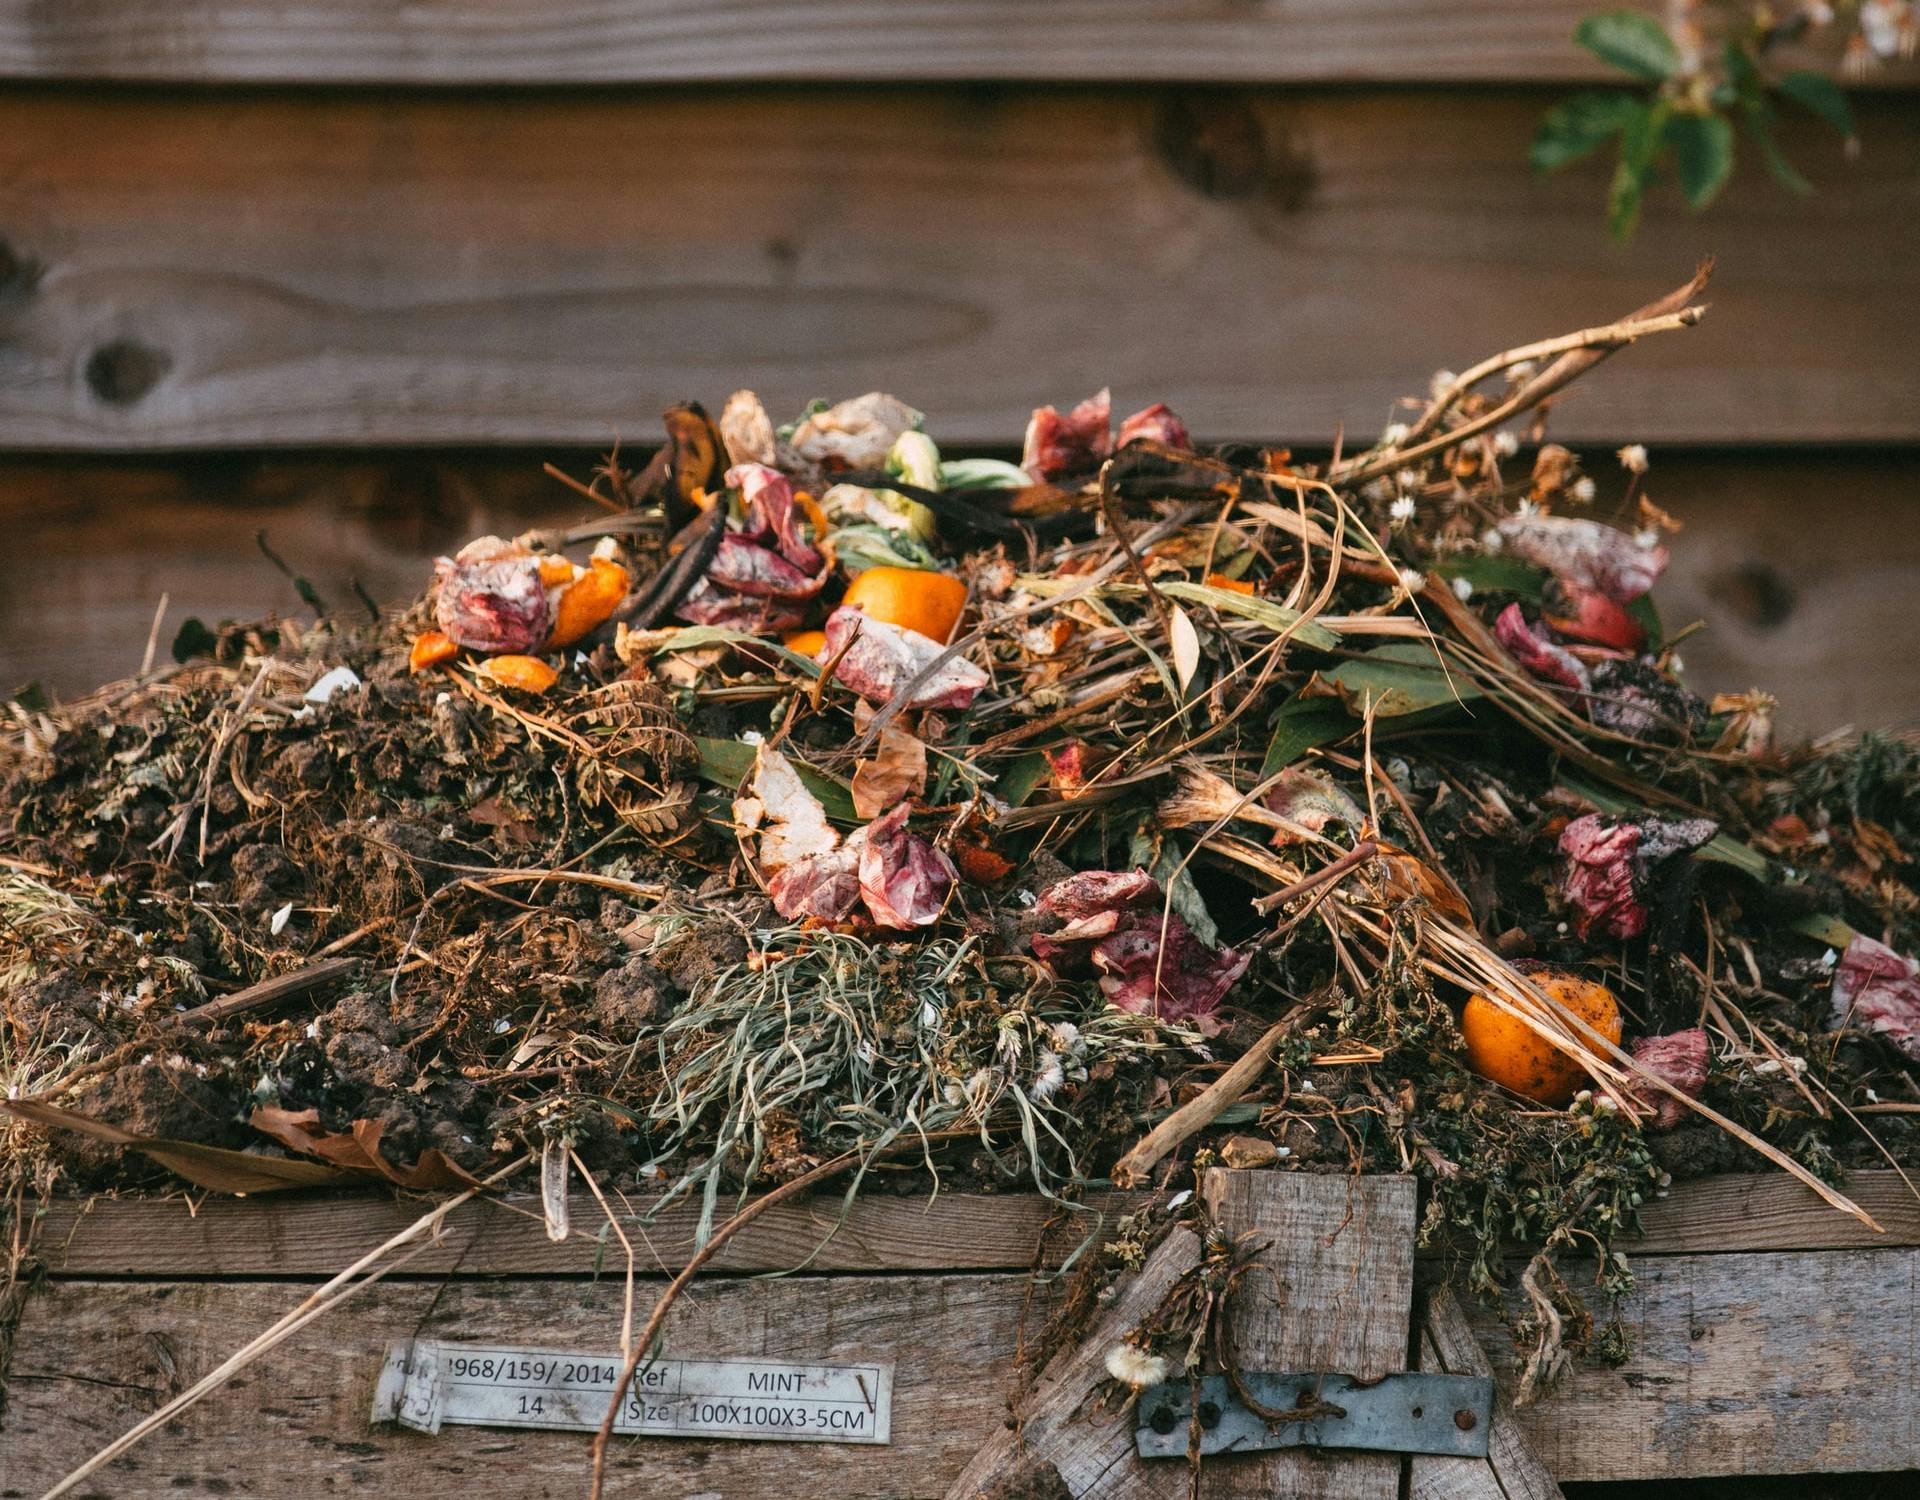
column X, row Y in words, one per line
column 1407, row 1413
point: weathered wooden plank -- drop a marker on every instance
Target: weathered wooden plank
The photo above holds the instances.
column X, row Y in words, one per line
column 1336, row 1295
column 93, row 544
column 1802, row 1362
column 1332, row 1291
column 1787, row 1363
column 300, row 1235
column 92, row 1358
column 315, row 1235
column 1801, row 566
column 195, row 269
column 1511, row 1470
column 1065, row 1432
column 1770, row 1211
column 590, row 41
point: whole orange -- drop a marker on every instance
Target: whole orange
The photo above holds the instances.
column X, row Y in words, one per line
column 911, row 598
column 1501, row 1046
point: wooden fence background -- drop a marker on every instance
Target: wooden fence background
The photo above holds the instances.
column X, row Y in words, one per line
column 347, row 271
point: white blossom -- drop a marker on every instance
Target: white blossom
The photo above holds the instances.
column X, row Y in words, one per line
column 1505, row 444
column 1048, row 1076
column 1463, row 589
column 1584, row 489
column 1881, row 23
column 1441, row 380
column 1135, row 1367
column 1412, row 580
column 1394, row 436
column 1402, row 509
column 1633, row 458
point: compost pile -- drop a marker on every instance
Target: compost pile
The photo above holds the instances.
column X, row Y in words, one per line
column 820, row 799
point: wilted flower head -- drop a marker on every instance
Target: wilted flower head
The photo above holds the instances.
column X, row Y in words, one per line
column 1133, row 1366
column 1633, row 458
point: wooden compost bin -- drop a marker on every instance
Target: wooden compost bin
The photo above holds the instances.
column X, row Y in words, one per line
column 1771, row 1336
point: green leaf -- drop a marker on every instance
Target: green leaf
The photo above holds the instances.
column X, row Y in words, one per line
column 696, row 636
column 1702, row 156
column 1825, row 929
column 1632, row 41
column 1820, row 95
column 1161, row 858
column 982, row 474
column 1020, row 776
column 1779, row 168
column 1580, row 126
column 1644, row 611
column 1744, row 74
column 1639, row 144
column 1299, row 726
column 1403, row 678
column 1275, row 617
column 1497, row 574
column 727, row 763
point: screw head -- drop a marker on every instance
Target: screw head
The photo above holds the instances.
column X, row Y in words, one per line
column 1465, row 1420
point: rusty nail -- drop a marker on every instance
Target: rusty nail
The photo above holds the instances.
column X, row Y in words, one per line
column 1465, row 1420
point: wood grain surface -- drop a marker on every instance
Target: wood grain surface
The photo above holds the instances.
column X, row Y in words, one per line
column 1333, row 1290
column 1511, row 1470
column 1744, row 1364
column 1066, row 1424
column 1803, row 566
column 92, row 1358
column 1775, row 1363
column 614, row 41
column 292, row 1234
column 208, row 269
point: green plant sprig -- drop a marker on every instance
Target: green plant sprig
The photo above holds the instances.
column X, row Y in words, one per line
column 1685, row 112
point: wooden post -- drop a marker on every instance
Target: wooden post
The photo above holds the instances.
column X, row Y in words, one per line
column 1511, row 1470
column 1336, row 1295
column 1333, row 1292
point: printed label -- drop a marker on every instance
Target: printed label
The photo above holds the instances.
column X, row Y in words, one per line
column 426, row 1384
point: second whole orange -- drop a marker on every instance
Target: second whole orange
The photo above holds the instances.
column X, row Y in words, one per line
column 1502, row 1047
column 912, row 598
